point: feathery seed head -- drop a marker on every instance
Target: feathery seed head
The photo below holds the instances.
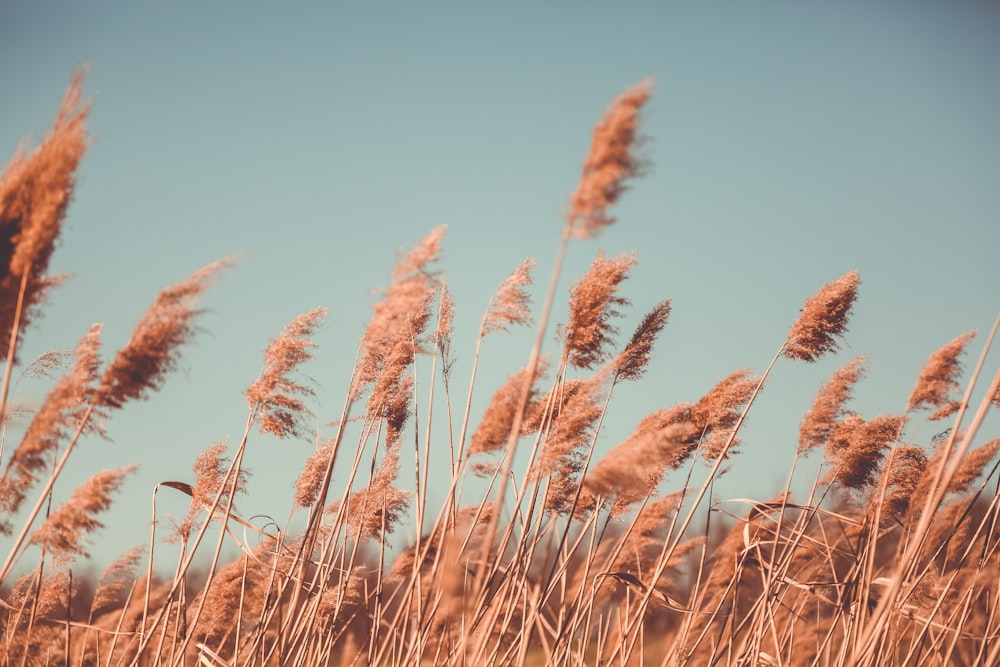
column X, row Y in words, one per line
column 609, row 165
column 35, row 192
column 824, row 318
column 66, row 530
column 275, row 395
column 939, row 379
column 154, row 348
column 510, row 303
column 593, row 304
column 631, row 363
column 828, row 407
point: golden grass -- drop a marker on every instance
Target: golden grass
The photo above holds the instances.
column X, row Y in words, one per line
column 891, row 558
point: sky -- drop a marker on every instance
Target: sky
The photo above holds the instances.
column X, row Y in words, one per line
column 789, row 143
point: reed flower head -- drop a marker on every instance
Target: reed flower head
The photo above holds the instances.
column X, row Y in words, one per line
column 971, row 468
column 856, row 448
column 631, row 363
column 402, row 313
column 35, row 192
column 307, row 486
column 939, row 380
column 592, row 306
column 905, row 468
column 275, row 395
column 442, row 335
column 634, row 468
column 154, row 348
column 59, row 415
column 209, row 476
column 494, row 428
column 116, row 579
column 575, row 406
column 823, row 319
column 376, row 510
column 510, row 303
column 828, row 407
column 717, row 412
column 66, row 530
column 609, row 165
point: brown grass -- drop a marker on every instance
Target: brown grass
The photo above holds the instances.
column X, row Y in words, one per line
column 891, row 557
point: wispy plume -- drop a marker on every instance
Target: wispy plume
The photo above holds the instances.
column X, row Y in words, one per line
column 65, row 533
column 377, row 509
column 631, row 363
column 115, row 581
column 275, row 395
column 593, row 304
column 510, row 304
column 716, row 414
column 154, row 348
column 35, row 192
column 494, row 428
column 905, row 468
column 828, row 407
column 209, row 475
column 610, row 163
column 575, row 406
column 823, row 319
column 633, row 469
column 856, row 448
column 938, row 380
column 59, row 415
column 392, row 336
column 310, row 480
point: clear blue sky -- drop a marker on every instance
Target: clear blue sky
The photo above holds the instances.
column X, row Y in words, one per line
column 791, row 142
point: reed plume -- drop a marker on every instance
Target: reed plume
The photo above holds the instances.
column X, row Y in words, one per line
column 310, row 480
column 823, row 319
column 154, row 347
column 66, row 531
column 210, row 475
column 494, row 428
column 115, row 581
column 631, row 363
column 716, row 414
column 35, row 192
column 510, row 304
column 633, row 469
column 828, row 407
column 575, row 407
column 376, row 510
column 593, row 304
column 274, row 396
column 856, row 448
column 401, row 314
column 58, row 417
column 610, row 163
column 905, row 468
column 938, row 380
column 971, row 468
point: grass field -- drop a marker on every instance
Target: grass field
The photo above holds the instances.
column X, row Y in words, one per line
column 568, row 558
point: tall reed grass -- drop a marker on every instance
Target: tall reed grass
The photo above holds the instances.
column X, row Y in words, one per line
column 568, row 558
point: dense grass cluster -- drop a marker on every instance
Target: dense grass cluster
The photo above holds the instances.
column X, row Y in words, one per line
column 567, row 558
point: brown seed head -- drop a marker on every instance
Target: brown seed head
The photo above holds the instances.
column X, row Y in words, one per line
column 510, row 303
column 824, row 318
column 939, row 380
column 154, row 348
column 856, row 448
column 275, row 395
column 828, row 407
column 631, row 363
column 66, row 530
column 609, row 165
column 593, row 304
column 717, row 412
column 59, row 415
column 35, row 192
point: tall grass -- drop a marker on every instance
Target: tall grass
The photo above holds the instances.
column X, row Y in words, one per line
column 891, row 557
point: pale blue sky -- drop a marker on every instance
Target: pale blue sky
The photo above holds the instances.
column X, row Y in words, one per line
column 791, row 142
